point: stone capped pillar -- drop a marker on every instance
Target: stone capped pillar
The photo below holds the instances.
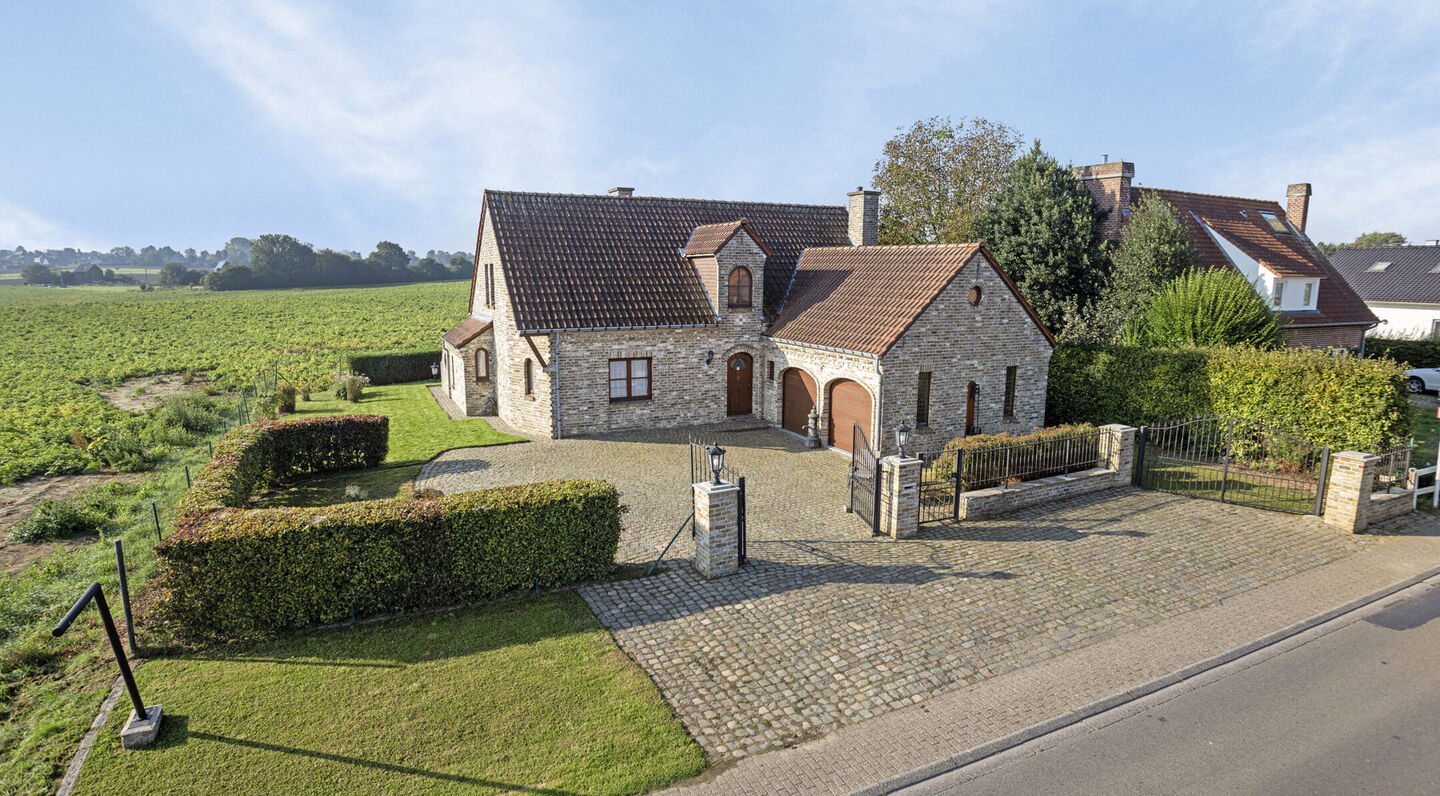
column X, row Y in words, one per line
column 1117, row 451
column 717, row 528
column 1347, row 493
column 899, row 496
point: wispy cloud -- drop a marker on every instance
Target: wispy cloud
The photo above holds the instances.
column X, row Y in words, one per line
column 22, row 227
column 431, row 103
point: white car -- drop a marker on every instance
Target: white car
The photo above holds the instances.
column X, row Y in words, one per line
column 1423, row 380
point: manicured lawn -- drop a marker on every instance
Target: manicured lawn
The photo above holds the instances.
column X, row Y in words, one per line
column 419, row 429
column 526, row 696
column 381, row 482
column 1243, row 487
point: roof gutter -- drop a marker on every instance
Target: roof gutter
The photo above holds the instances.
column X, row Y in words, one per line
column 821, row 347
column 558, row 330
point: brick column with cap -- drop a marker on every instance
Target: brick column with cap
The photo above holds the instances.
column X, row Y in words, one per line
column 717, row 528
column 899, row 496
column 1347, row 493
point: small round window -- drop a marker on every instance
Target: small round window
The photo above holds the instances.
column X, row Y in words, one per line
column 739, row 363
column 975, row 295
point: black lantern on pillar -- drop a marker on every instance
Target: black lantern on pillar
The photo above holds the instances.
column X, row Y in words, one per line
column 434, row 369
column 902, row 437
column 717, row 460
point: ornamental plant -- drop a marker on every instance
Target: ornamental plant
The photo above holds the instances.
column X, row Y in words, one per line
column 1205, row 307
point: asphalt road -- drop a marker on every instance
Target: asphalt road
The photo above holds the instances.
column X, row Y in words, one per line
column 1355, row 711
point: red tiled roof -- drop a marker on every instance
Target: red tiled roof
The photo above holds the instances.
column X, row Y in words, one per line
column 864, row 298
column 709, row 239
column 1291, row 256
column 465, row 331
column 602, row 262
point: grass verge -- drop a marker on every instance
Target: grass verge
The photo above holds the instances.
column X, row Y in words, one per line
column 527, row 696
column 419, row 429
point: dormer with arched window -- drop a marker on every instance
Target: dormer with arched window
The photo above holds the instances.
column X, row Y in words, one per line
column 729, row 258
column 740, row 293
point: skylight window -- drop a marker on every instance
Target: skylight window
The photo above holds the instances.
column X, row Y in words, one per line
column 1379, row 267
column 1277, row 224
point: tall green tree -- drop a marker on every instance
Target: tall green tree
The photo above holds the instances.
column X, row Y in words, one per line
column 1361, row 241
column 935, row 177
column 1206, row 307
column 1154, row 248
column 389, row 262
column 282, row 261
column 37, row 274
column 1041, row 228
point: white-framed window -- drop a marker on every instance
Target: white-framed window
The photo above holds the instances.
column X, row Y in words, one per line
column 482, row 365
column 1277, row 224
column 1279, row 294
column 1309, row 295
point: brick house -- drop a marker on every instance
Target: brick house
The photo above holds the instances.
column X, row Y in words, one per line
column 1262, row 240
column 1400, row 284
column 603, row 313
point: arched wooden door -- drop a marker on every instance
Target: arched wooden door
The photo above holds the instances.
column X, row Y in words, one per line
column 797, row 399
column 739, row 384
column 849, row 404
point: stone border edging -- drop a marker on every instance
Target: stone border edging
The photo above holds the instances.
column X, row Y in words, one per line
column 72, row 773
column 1056, row 723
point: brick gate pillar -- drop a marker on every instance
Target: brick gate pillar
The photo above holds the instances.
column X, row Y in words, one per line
column 1347, row 493
column 717, row 528
column 1117, row 451
column 899, row 497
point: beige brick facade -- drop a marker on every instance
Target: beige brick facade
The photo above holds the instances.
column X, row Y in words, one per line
column 467, row 374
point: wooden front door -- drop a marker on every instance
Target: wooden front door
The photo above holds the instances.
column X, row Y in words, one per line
column 797, row 399
column 849, row 404
column 739, row 381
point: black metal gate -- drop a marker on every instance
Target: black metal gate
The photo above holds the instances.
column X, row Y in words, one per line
column 940, row 485
column 1233, row 460
column 700, row 471
column 864, row 479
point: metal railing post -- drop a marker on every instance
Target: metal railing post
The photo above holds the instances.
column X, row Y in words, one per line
column 155, row 512
column 98, row 595
column 1139, row 475
column 959, row 482
column 1322, row 481
column 125, row 596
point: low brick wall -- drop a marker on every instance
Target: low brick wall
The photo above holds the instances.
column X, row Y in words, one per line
column 1002, row 499
column 1386, row 505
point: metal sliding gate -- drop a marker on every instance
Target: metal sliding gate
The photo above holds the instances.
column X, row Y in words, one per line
column 1233, row 460
column 864, row 479
column 700, row 471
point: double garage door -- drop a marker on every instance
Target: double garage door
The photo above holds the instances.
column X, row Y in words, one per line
column 849, row 404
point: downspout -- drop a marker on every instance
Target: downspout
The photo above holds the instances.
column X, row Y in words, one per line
column 879, row 406
column 555, row 361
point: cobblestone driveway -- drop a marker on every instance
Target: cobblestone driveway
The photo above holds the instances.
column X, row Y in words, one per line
column 827, row 625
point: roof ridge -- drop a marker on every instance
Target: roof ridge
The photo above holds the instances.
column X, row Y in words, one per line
column 1211, row 195
column 607, row 197
column 974, row 244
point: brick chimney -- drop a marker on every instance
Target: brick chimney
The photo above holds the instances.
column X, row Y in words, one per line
column 864, row 217
column 1297, row 208
column 1109, row 184
column 622, row 193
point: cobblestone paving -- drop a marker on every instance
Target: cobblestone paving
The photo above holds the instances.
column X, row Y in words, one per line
column 827, row 626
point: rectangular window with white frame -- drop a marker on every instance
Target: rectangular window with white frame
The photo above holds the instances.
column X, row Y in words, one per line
column 1279, row 295
column 1309, row 296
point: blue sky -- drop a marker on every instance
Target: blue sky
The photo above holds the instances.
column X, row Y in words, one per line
column 185, row 123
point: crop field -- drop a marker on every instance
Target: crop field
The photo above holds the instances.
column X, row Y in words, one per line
column 57, row 346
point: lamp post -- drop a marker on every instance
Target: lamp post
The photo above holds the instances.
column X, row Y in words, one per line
column 902, row 437
column 434, row 370
column 717, row 460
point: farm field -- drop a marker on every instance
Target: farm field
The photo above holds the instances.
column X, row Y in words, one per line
column 56, row 345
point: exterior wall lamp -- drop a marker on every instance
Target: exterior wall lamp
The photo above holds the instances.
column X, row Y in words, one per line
column 902, row 437
column 717, row 460
column 709, row 357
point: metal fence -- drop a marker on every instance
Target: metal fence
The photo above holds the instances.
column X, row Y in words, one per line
column 1392, row 469
column 1233, row 460
column 946, row 474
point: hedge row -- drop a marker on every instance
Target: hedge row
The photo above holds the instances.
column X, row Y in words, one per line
column 1340, row 401
column 395, row 367
column 255, row 456
column 1414, row 353
column 234, row 573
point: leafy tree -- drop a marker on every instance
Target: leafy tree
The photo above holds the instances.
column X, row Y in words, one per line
column 1206, row 307
column 429, row 269
column 339, row 268
column 1041, row 228
column 1154, row 249
column 389, row 262
column 37, row 274
column 177, row 275
column 460, row 266
column 937, row 176
column 1368, row 239
column 231, row 277
column 280, row 260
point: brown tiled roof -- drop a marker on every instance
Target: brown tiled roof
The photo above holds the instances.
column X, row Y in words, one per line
column 863, row 298
column 709, row 239
column 1285, row 255
column 465, row 331
column 601, row 262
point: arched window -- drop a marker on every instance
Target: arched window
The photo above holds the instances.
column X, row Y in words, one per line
column 529, row 377
column 482, row 365
column 740, row 287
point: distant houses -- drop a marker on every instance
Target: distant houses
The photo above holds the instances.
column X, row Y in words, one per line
column 1400, row 284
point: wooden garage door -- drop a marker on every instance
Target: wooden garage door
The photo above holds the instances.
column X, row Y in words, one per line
column 798, row 397
column 849, row 404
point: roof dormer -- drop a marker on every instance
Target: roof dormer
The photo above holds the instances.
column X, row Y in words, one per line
column 730, row 261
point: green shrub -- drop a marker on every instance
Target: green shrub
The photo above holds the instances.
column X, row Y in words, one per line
column 1043, row 460
column 1205, row 307
column 394, row 367
column 192, row 411
column 354, row 390
column 1339, row 401
column 58, row 519
column 285, row 399
column 234, row 573
column 1420, row 352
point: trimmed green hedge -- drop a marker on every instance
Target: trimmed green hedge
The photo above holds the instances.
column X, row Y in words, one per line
column 243, row 572
column 1339, row 401
column 1414, row 353
column 395, row 367
column 228, row 571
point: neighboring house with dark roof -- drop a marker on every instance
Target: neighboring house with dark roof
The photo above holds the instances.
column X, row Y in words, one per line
column 600, row 313
column 1259, row 238
column 1400, row 284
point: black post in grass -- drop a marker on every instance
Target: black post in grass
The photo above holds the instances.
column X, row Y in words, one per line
column 98, row 595
column 155, row 512
column 187, row 476
column 125, row 595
